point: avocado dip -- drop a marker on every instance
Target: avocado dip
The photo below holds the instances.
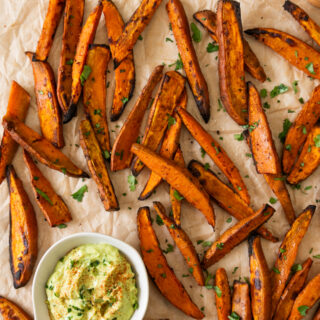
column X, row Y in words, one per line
column 93, row 281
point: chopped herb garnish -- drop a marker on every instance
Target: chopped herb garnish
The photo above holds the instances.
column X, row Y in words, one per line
column 218, row 291
column 317, row 141
column 263, row 93
column 44, row 196
column 196, row 33
column 266, row 105
column 203, row 153
column 276, row 270
column 97, row 112
column 106, row 154
column 169, row 40
column 273, row 200
column 229, row 220
column 159, row 221
column 296, row 267
column 177, row 195
column 132, row 182
column 234, row 316
column 310, row 68
column 295, row 86
column 317, row 256
column 212, row 47
column 278, row 90
column 69, row 62
column 140, row 37
column 124, row 100
column 36, row 178
column 206, row 166
column 239, row 136
column 303, row 310
column 301, row 100
column 62, row 226
column 206, row 244
column 171, row 121
column 85, row 74
column 220, row 245
column 169, row 248
column 286, row 126
column 80, row 193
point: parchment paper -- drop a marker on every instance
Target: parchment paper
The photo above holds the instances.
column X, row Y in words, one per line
column 20, row 25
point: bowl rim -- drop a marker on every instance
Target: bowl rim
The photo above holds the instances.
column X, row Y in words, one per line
column 129, row 252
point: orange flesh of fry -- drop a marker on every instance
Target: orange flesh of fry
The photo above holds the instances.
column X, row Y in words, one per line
column 223, row 300
column 10, row 310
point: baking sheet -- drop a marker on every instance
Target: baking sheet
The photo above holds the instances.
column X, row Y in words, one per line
column 20, row 25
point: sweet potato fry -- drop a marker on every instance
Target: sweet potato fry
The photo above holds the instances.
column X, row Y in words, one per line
column 10, row 310
column 207, row 19
column 231, row 60
column 40, row 148
column 49, row 28
column 235, row 235
column 133, row 28
column 179, row 178
column 48, row 107
column 309, row 158
column 306, row 299
column 222, row 294
column 291, row 291
column 225, row 197
column 94, row 94
column 53, row 207
column 23, row 231
column 260, row 286
column 168, row 149
column 304, row 20
column 215, row 152
column 159, row 270
column 97, row 166
column 71, row 31
column 197, row 82
column 130, row 130
column 168, row 95
column 18, row 105
column 291, row 48
column 79, row 71
column 298, row 131
column 175, row 199
column 183, row 242
column 287, row 254
column 241, row 303
column 317, row 315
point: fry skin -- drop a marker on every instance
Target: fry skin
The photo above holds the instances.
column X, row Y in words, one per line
column 291, row 291
column 49, row 28
column 287, row 254
column 97, row 166
column 95, row 92
column 48, row 107
column 18, row 104
column 52, row 206
column 260, row 286
column 215, row 152
column 129, row 132
column 291, row 48
column 10, row 310
column 164, row 277
column 72, row 23
column 231, row 60
column 317, row 315
column 235, row 235
column 241, row 303
column 168, row 95
column 23, row 232
column 40, row 148
column 197, row 82
column 183, row 242
column 179, row 178
column 225, row 197
column 223, row 297
column 207, row 19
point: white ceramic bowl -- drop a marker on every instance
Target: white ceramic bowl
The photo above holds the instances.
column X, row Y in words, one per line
column 62, row 247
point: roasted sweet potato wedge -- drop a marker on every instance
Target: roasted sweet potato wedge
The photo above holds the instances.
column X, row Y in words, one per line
column 297, row 52
column 183, row 242
column 53, row 207
column 168, row 95
column 48, row 107
column 291, row 291
column 129, row 132
column 23, row 235
column 309, row 157
column 179, row 178
column 215, row 152
column 225, row 197
column 95, row 93
column 223, row 295
column 175, row 198
column 197, row 82
column 97, row 166
column 298, row 131
column 287, row 254
column 235, row 235
column 159, row 270
column 241, row 303
column 49, row 28
column 79, row 71
column 72, row 23
column 9, row 310
column 133, row 28
column 40, row 148
column 231, row 60
column 306, row 299
column 168, row 149
column 18, row 105
column 208, row 19
column 260, row 286
column 317, row 315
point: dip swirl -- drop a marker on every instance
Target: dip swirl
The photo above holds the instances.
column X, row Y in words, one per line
column 93, row 281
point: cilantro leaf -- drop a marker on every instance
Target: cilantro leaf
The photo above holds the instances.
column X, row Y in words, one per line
column 78, row 195
column 177, row 195
column 85, row 74
column 44, row 196
column 286, row 126
column 278, row 90
column 196, row 33
column 303, row 310
column 132, row 182
column 212, row 47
